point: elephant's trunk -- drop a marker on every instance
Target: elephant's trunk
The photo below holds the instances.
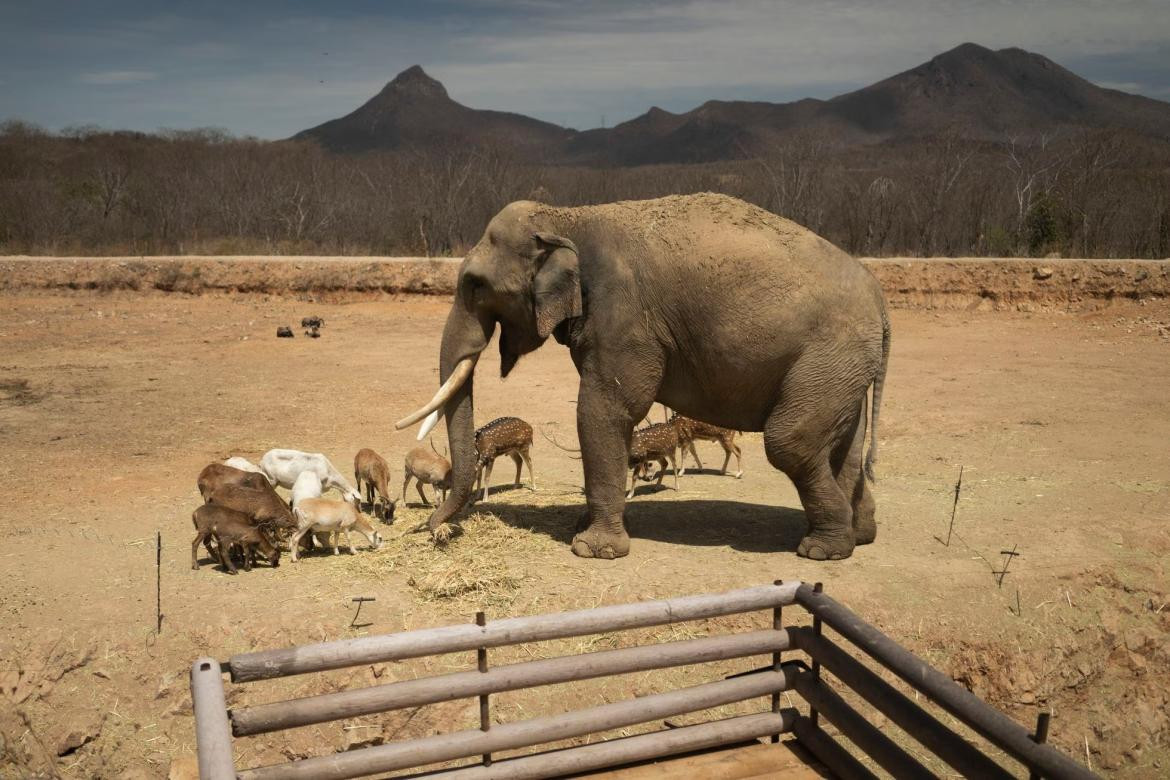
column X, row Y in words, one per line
column 464, row 337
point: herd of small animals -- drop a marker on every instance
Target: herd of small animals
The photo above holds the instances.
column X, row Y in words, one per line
column 243, row 517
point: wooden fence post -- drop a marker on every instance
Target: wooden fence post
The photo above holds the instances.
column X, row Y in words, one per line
column 213, row 735
column 813, row 716
column 485, row 720
column 777, row 625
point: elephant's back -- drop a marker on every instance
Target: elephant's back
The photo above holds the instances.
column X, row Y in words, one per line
column 714, row 230
column 733, row 272
column 712, row 241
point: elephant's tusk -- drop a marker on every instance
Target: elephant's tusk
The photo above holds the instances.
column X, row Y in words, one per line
column 462, row 370
column 428, row 425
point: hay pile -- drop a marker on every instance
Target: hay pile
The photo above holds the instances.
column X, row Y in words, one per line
column 484, row 563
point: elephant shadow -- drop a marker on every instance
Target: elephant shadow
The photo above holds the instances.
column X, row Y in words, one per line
column 759, row 528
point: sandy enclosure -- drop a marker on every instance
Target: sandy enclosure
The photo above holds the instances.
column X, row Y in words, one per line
column 111, row 403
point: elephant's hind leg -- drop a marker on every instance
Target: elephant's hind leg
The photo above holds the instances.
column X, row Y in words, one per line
column 830, row 516
column 807, row 436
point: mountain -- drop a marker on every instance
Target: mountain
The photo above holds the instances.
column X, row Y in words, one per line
column 987, row 94
column 415, row 111
column 974, row 91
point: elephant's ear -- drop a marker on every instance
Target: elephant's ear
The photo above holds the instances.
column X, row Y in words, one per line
column 557, row 288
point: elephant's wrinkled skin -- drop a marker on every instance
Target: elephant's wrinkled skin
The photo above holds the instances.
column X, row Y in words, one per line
column 720, row 310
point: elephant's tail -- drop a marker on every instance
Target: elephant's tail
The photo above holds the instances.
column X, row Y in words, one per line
column 878, row 382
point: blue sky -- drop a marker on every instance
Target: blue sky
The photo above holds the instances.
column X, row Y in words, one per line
column 270, row 68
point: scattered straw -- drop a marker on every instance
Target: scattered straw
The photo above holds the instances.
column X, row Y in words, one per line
column 483, row 563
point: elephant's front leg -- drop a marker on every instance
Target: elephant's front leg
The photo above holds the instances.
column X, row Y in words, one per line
column 604, row 425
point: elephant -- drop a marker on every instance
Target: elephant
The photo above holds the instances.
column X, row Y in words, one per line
column 719, row 309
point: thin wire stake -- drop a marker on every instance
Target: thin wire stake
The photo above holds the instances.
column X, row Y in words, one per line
column 158, row 582
column 1008, row 562
column 485, row 722
column 954, row 507
column 359, row 600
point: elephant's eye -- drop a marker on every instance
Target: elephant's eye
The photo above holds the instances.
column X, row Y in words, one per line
column 473, row 286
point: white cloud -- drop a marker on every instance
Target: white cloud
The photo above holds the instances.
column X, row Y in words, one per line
column 107, row 78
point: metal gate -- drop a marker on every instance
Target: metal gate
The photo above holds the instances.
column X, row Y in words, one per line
column 216, row 725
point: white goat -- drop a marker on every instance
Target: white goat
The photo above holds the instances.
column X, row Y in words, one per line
column 307, row 485
column 243, row 464
column 282, row 467
column 336, row 517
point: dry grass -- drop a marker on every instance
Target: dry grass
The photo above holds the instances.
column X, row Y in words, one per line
column 17, row 392
column 482, row 563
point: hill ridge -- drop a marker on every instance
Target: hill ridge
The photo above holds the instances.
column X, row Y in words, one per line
column 978, row 92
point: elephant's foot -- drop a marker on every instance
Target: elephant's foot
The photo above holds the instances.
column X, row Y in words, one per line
column 825, row 548
column 595, row 543
column 864, row 528
column 442, row 533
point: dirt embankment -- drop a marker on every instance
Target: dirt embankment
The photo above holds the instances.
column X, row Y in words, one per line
column 1019, row 284
column 353, row 276
column 951, row 283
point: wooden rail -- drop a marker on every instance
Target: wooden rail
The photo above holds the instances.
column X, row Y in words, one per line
column 511, row 631
column 215, row 725
column 464, row 685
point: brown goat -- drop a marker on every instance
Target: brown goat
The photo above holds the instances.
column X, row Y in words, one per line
column 217, row 475
column 230, row 528
column 429, row 468
column 503, row 436
column 372, row 468
column 689, row 430
column 263, row 507
column 658, row 442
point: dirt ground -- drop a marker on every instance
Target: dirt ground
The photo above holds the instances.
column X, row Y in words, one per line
column 111, row 403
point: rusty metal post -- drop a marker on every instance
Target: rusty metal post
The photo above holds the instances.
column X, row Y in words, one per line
column 777, row 625
column 813, row 716
column 485, row 720
column 1040, row 737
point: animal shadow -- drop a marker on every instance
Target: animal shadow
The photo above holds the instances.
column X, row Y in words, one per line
column 742, row 526
column 709, row 472
column 507, row 488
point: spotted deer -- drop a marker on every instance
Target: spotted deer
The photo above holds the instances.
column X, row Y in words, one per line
column 689, row 430
column 504, row 436
column 658, row 442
